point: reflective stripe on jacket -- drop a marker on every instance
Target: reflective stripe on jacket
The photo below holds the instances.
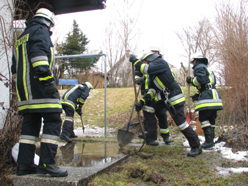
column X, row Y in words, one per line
column 77, row 94
column 204, row 80
column 32, row 66
column 161, row 77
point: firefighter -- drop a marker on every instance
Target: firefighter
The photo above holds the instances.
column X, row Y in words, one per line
column 153, row 108
column 73, row 100
column 209, row 99
column 38, row 97
column 162, row 81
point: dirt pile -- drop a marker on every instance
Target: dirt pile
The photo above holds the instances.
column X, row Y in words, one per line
column 236, row 138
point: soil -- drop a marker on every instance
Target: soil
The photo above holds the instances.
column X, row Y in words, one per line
column 236, row 138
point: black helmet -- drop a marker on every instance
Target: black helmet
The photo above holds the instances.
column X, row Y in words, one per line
column 149, row 57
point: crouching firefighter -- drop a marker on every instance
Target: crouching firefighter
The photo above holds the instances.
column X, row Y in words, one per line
column 73, row 100
column 161, row 78
column 38, row 97
column 209, row 99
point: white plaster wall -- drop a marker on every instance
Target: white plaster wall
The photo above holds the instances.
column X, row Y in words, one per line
column 6, row 31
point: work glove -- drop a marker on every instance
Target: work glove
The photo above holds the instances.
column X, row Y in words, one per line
column 189, row 79
column 146, row 98
column 50, row 88
column 79, row 110
column 140, row 81
column 136, row 62
column 195, row 97
column 139, row 106
column 133, row 58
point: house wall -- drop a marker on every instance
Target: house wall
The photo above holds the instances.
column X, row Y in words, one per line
column 6, row 35
column 97, row 80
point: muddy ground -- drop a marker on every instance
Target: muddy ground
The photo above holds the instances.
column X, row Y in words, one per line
column 142, row 173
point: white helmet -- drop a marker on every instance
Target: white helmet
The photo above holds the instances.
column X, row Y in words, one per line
column 198, row 57
column 155, row 49
column 149, row 57
column 45, row 16
column 88, row 84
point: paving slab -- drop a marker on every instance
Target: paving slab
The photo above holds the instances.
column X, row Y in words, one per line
column 77, row 176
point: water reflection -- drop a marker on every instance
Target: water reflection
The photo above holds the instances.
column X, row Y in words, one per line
column 81, row 154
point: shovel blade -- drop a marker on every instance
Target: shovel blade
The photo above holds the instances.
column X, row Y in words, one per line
column 124, row 137
column 189, row 118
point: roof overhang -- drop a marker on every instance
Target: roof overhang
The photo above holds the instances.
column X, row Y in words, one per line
column 25, row 9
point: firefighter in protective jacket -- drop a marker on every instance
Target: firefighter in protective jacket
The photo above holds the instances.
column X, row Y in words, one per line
column 209, row 99
column 38, row 97
column 73, row 100
column 155, row 108
column 162, row 80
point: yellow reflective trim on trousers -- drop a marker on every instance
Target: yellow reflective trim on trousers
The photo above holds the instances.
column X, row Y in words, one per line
column 24, row 72
column 178, row 101
column 45, row 78
column 26, row 141
column 39, row 106
column 214, row 94
column 55, row 142
column 39, row 63
column 68, row 103
column 208, row 105
column 205, row 125
column 67, row 119
column 164, row 132
column 52, row 56
column 160, row 82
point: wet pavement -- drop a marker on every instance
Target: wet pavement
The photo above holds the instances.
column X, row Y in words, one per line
column 82, row 154
column 82, row 161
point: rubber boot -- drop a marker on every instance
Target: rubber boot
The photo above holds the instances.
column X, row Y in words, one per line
column 209, row 137
column 141, row 135
column 193, row 140
column 166, row 138
column 213, row 130
column 151, row 138
column 195, row 151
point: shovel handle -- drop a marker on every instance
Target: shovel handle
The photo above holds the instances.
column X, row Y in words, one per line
column 82, row 122
column 136, row 101
column 129, row 121
column 128, row 125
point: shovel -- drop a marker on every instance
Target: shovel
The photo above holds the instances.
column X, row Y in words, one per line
column 136, row 100
column 189, row 118
column 123, row 136
column 82, row 122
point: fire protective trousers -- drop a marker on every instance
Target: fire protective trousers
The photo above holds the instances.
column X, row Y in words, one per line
column 207, row 118
column 30, row 131
column 69, row 120
column 186, row 129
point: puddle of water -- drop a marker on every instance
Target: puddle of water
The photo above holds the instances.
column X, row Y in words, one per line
column 81, row 154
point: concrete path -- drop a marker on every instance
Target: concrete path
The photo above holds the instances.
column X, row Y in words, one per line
column 77, row 176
